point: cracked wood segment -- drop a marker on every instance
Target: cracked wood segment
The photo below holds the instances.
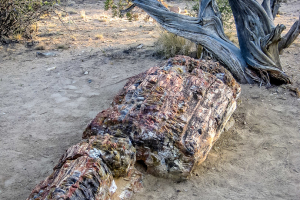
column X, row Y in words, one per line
column 86, row 170
column 172, row 114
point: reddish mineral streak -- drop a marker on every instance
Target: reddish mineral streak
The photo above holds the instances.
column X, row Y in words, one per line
column 167, row 117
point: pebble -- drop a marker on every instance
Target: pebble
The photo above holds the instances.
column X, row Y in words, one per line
column 255, row 96
column 46, row 54
column 51, row 68
column 282, row 98
column 139, row 46
column 86, row 73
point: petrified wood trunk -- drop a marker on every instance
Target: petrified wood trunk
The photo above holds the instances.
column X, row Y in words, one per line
column 168, row 117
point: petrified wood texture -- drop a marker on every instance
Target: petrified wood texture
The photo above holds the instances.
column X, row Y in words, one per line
column 87, row 169
column 167, row 117
column 172, row 114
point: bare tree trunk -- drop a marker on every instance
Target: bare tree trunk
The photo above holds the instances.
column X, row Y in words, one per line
column 260, row 40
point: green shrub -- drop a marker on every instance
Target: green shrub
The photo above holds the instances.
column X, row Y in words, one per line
column 117, row 6
column 17, row 16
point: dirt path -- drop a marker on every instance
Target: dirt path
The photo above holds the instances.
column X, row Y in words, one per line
column 46, row 102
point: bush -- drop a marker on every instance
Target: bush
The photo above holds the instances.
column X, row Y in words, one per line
column 116, row 7
column 168, row 45
column 17, row 16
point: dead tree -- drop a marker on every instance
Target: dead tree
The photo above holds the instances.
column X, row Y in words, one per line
column 260, row 40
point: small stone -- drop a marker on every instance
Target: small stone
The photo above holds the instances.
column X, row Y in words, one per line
column 86, row 73
column 140, row 46
column 51, row 68
column 255, row 96
column 282, row 98
column 46, row 54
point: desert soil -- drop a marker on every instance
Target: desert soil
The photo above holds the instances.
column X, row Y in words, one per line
column 46, row 103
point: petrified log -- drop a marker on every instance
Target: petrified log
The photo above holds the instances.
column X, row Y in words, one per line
column 167, row 117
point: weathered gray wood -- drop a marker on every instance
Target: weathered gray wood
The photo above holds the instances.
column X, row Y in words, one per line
column 258, row 38
column 206, row 31
column 258, row 56
column 271, row 7
column 274, row 4
column 290, row 37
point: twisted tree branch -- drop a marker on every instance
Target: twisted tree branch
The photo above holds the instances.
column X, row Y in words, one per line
column 290, row 37
column 207, row 30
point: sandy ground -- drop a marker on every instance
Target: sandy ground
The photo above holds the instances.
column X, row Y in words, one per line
column 46, row 102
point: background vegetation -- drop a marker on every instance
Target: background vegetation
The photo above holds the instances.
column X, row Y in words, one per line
column 18, row 16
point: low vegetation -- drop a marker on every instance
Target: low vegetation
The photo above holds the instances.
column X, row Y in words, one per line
column 168, row 45
column 18, row 16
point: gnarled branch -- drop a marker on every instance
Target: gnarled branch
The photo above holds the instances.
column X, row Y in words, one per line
column 206, row 31
column 290, row 37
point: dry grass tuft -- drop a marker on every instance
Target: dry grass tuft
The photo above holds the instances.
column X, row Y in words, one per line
column 73, row 38
column 40, row 47
column 99, row 37
column 62, row 46
column 168, row 45
column 17, row 36
column 135, row 16
column 232, row 37
column 82, row 14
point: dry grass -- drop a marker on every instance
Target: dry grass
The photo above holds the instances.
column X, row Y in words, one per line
column 135, row 16
column 82, row 14
column 41, row 46
column 73, row 38
column 17, row 36
column 168, row 45
column 232, row 37
column 62, row 46
column 34, row 27
column 99, row 37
